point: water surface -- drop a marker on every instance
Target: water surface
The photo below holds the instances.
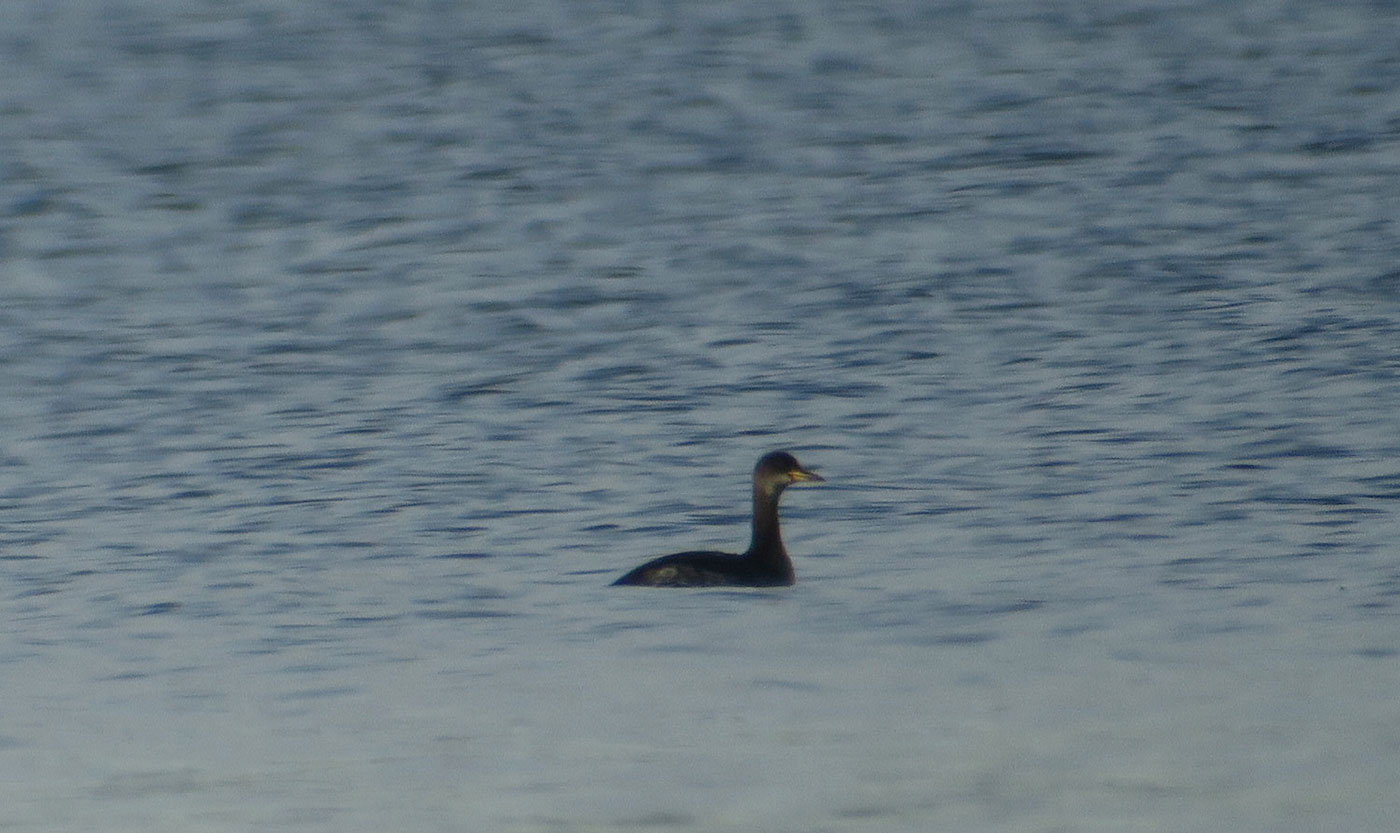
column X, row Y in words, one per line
column 351, row 349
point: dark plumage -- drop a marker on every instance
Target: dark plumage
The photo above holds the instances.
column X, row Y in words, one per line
column 765, row 564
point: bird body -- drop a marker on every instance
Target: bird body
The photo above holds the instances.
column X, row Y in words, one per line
column 704, row 568
column 764, row 564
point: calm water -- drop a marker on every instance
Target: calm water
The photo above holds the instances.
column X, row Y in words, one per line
column 350, row 349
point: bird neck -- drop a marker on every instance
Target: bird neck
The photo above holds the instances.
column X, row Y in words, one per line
column 767, row 543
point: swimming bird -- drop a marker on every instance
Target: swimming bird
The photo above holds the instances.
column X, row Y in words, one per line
column 765, row 564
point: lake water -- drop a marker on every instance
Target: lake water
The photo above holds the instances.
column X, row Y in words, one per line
column 351, row 349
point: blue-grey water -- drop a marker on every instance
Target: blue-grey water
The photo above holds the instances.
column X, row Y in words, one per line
column 350, row 349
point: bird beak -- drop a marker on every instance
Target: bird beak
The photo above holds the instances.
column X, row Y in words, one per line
column 799, row 475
